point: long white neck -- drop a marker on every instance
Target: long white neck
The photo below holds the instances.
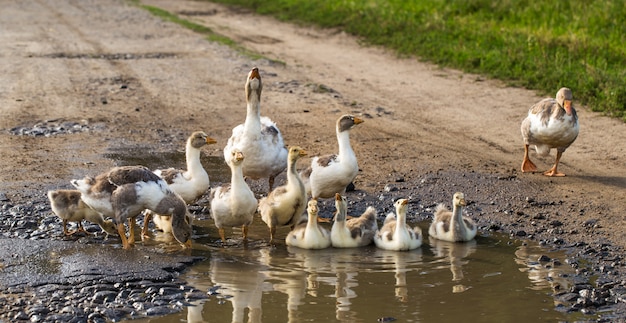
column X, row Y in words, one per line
column 456, row 222
column 340, row 218
column 192, row 155
column 312, row 221
column 236, row 178
column 400, row 220
column 253, row 114
column 293, row 179
column 345, row 149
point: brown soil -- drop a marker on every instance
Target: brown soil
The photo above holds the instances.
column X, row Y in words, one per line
column 137, row 81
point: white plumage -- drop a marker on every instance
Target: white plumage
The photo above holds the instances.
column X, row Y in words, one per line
column 395, row 233
column 452, row 226
column 551, row 123
column 309, row 235
column 355, row 232
column 233, row 204
column 285, row 205
column 258, row 138
column 331, row 174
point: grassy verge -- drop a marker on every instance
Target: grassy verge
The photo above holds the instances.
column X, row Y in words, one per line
column 206, row 31
column 540, row 45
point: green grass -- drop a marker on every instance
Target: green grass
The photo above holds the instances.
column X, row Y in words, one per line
column 537, row 44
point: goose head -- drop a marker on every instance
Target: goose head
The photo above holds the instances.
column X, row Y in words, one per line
column 401, row 206
column 341, row 205
column 199, row 139
column 181, row 229
column 565, row 97
column 312, row 208
column 346, row 122
column 236, row 157
column 458, row 199
column 296, row 152
column 254, row 86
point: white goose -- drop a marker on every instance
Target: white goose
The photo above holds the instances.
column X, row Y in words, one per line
column 258, row 138
column 395, row 233
column 124, row 192
column 68, row 206
column 453, row 226
column 309, row 235
column 285, row 204
column 331, row 174
column 551, row 123
column 355, row 232
column 233, row 204
column 190, row 184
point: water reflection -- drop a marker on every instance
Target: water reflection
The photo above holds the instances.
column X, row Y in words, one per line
column 454, row 253
column 489, row 279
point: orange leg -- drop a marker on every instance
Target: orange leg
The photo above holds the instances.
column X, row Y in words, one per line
column 122, row 232
column 222, row 235
column 527, row 165
column 67, row 233
column 131, row 231
column 146, row 221
column 244, row 228
column 553, row 171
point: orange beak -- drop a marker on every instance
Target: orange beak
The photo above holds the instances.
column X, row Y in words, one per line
column 568, row 107
column 358, row 120
column 337, row 197
column 210, row 140
column 254, row 74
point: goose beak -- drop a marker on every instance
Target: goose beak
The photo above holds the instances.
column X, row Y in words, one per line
column 568, row 107
column 358, row 120
column 254, row 74
column 210, row 140
column 337, row 197
column 238, row 156
column 462, row 202
column 404, row 202
column 303, row 153
column 187, row 245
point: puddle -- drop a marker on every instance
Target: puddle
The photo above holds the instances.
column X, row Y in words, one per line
column 492, row 279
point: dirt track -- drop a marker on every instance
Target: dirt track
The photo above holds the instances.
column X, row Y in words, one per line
column 136, row 81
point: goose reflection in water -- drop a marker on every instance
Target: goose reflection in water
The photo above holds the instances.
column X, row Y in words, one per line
column 454, row 253
column 241, row 283
column 401, row 263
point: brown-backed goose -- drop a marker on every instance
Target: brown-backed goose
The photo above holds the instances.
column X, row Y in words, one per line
column 190, row 184
column 551, row 123
column 124, row 192
column 355, row 232
column 68, row 206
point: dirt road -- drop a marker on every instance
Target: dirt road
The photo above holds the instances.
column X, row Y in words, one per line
column 137, row 81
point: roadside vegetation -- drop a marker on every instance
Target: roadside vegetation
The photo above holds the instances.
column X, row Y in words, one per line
column 541, row 45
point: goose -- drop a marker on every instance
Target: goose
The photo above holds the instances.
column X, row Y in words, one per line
column 309, row 235
column 331, row 174
column 355, row 232
column 395, row 233
column 233, row 204
column 124, row 192
column 190, row 184
column 452, row 226
column 285, row 204
column 258, row 138
column 551, row 123
column 68, row 206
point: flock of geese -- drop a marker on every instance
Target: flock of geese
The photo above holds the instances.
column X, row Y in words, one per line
column 256, row 150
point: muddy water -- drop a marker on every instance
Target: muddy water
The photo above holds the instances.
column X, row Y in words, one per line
column 491, row 279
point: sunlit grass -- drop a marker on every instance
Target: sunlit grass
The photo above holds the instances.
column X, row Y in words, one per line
column 540, row 45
